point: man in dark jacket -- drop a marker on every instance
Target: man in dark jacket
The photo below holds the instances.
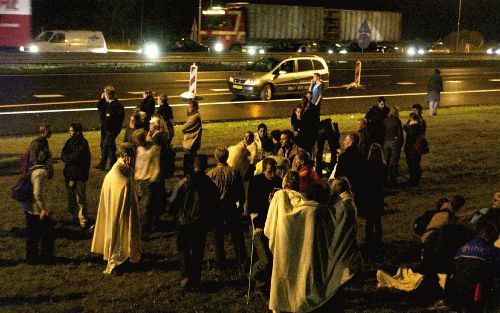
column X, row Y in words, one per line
column 147, row 105
column 194, row 201
column 76, row 157
column 101, row 108
column 113, row 120
column 352, row 164
column 434, row 89
column 375, row 121
column 259, row 191
column 328, row 132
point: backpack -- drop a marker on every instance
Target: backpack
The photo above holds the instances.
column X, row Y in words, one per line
column 421, row 222
column 23, row 189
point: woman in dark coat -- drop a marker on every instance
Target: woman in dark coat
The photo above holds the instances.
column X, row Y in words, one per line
column 147, row 105
column 413, row 156
column 375, row 172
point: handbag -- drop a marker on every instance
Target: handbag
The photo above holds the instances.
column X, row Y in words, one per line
column 421, row 145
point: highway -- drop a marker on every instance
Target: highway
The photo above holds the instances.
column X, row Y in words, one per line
column 26, row 100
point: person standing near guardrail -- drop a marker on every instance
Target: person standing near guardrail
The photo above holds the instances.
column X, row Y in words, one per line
column 434, row 88
column 114, row 114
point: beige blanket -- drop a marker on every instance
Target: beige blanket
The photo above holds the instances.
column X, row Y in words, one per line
column 117, row 232
column 314, row 250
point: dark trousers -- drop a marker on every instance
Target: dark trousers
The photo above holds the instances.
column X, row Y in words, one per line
column 323, row 137
column 39, row 238
column 230, row 219
column 414, row 169
column 150, row 202
column 336, row 304
column 392, row 153
column 103, row 137
column 190, row 246
column 373, row 232
column 109, row 148
column 262, row 269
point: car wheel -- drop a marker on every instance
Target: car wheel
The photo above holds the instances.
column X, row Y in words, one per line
column 266, row 93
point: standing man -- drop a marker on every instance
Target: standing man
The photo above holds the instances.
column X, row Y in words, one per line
column 147, row 105
column 192, row 130
column 316, row 88
column 101, row 108
column 261, row 187
column 165, row 111
column 328, row 132
column 117, row 232
column 434, row 88
column 113, row 120
column 76, row 157
column 375, row 121
column 232, row 197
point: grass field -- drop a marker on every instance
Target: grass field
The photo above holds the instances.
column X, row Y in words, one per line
column 464, row 144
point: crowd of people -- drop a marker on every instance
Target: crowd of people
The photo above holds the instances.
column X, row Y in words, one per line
column 299, row 204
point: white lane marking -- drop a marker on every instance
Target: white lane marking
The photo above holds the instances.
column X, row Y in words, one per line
column 375, row 75
column 454, row 81
column 203, row 80
column 55, row 95
column 406, row 83
column 494, row 80
column 137, row 92
column 263, row 101
column 338, row 87
column 95, row 101
column 220, row 89
column 104, row 73
column 491, row 72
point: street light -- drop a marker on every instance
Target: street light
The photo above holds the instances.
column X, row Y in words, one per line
column 458, row 23
column 199, row 21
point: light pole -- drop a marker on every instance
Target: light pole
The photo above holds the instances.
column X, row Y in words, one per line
column 199, row 21
column 142, row 18
column 458, row 23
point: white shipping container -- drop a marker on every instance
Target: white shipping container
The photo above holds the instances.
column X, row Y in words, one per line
column 384, row 26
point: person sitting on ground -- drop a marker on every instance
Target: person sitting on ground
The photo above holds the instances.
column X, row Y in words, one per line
column 476, row 265
column 117, row 233
column 147, row 175
column 232, row 199
column 305, row 167
column 250, row 145
column 282, row 163
column 489, row 214
column 135, row 122
column 444, row 215
column 259, row 191
column 193, row 202
column 147, row 105
column 288, row 147
column 262, row 139
column 76, row 157
column 276, row 139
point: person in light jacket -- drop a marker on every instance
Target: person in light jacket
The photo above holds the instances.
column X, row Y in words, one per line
column 192, row 130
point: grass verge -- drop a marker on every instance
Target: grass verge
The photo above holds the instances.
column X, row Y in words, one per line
column 464, row 146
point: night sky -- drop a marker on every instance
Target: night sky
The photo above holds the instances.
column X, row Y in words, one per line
column 428, row 20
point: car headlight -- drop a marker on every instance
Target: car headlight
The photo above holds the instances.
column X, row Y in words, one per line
column 489, row 51
column 151, row 50
column 21, row 48
column 262, row 51
column 34, row 48
column 411, row 51
column 497, row 51
column 252, row 82
column 421, row 51
column 343, row 51
column 218, row 47
column 330, row 51
column 231, row 79
column 251, row 51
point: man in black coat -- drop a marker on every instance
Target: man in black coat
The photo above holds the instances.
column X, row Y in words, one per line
column 375, row 121
column 352, row 164
column 76, row 157
column 147, row 105
column 114, row 114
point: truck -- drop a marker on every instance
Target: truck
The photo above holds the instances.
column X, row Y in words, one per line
column 15, row 23
column 243, row 25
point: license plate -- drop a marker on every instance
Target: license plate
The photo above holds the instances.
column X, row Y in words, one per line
column 237, row 87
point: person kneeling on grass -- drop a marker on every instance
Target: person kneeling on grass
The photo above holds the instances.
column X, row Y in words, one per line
column 117, row 232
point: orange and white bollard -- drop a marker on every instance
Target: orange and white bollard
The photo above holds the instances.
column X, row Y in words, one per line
column 193, row 76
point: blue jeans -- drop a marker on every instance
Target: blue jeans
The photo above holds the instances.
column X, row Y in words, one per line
column 392, row 153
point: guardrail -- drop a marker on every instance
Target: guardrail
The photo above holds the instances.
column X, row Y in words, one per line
column 128, row 58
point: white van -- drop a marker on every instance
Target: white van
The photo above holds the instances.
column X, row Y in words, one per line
column 68, row 41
